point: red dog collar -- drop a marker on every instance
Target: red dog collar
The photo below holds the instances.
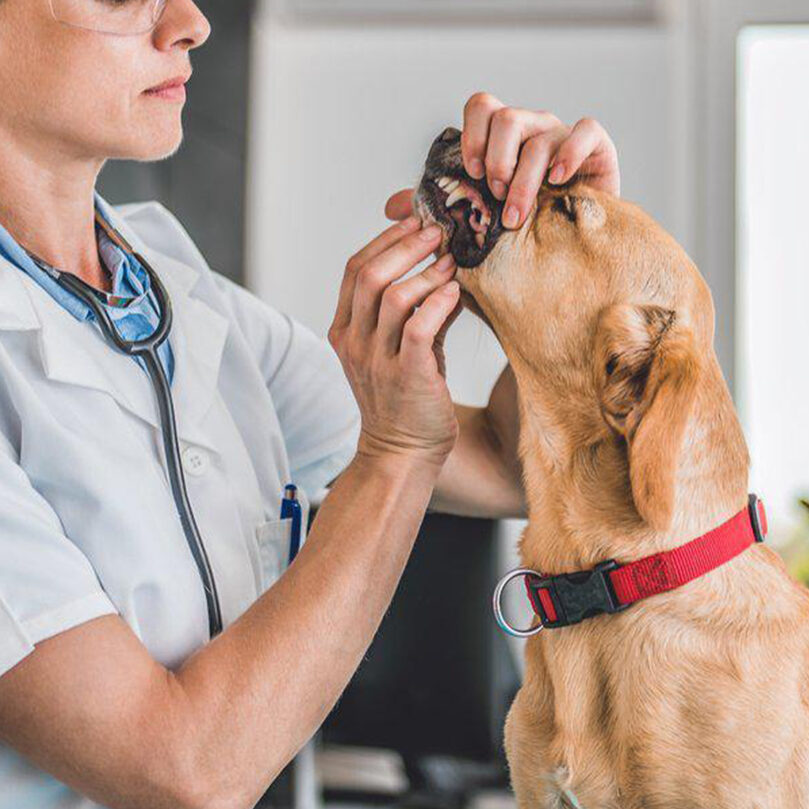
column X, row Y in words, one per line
column 610, row 587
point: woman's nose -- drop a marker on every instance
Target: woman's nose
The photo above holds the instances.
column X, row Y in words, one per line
column 183, row 22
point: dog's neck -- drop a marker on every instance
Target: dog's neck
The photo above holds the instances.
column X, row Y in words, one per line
column 580, row 504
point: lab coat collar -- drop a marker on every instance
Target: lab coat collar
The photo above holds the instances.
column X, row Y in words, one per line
column 16, row 310
column 76, row 353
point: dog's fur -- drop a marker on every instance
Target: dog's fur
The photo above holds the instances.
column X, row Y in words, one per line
column 694, row 699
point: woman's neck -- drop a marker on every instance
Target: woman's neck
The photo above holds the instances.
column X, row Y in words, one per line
column 47, row 205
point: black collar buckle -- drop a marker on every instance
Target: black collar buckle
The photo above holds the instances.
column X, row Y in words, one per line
column 576, row 596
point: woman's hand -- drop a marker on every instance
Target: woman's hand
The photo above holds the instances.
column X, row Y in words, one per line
column 392, row 352
column 514, row 149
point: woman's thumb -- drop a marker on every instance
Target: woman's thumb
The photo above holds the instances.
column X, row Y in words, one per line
column 400, row 205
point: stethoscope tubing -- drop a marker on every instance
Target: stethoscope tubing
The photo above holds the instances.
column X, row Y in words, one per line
column 146, row 348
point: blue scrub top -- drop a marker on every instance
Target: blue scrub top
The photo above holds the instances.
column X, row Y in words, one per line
column 131, row 305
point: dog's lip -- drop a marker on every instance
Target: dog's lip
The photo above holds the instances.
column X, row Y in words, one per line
column 436, row 188
column 449, row 224
column 436, row 197
column 439, row 196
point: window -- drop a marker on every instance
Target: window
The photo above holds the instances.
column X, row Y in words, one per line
column 773, row 268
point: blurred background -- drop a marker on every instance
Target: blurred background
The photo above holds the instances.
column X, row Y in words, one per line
column 305, row 115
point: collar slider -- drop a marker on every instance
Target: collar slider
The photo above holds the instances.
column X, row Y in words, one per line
column 758, row 517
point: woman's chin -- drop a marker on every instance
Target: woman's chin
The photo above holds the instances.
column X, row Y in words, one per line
column 161, row 145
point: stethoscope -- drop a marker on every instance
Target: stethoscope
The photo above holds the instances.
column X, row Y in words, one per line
column 147, row 350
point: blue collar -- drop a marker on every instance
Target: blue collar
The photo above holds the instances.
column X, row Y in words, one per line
column 130, row 281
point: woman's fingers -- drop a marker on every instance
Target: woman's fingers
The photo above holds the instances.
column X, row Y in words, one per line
column 477, row 116
column 438, row 345
column 381, row 243
column 503, row 148
column 399, row 300
column 583, row 141
column 420, row 331
column 406, row 408
column 588, row 151
column 510, row 128
column 382, row 270
column 512, row 147
column 453, row 316
column 400, row 205
column 534, row 159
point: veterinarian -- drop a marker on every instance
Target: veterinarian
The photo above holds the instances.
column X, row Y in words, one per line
column 113, row 691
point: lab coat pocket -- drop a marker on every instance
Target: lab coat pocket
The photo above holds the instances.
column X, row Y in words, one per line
column 273, row 538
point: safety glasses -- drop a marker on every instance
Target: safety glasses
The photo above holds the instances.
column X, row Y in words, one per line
column 120, row 17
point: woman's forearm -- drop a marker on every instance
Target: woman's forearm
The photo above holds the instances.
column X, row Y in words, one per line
column 502, row 413
column 258, row 692
column 478, row 479
column 482, row 476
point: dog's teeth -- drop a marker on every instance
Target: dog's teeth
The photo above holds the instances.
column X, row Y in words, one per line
column 480, row 238
column 456, row 195
column 443, row 182
column 451, row 185
column 483, row 216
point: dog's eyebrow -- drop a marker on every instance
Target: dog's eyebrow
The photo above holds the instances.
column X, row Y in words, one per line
column 564, row 205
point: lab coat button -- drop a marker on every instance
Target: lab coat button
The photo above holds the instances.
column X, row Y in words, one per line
column 195, row 461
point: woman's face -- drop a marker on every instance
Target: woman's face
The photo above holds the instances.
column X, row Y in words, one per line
column 80, row 94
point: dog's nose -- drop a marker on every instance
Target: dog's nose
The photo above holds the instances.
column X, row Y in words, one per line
column 448, row 135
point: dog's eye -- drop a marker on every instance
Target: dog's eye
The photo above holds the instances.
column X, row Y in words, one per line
column 565, row 205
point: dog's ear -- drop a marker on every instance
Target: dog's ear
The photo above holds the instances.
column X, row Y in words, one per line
column 647, row 375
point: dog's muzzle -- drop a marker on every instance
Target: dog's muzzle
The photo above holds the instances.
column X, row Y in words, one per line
column 463, row 207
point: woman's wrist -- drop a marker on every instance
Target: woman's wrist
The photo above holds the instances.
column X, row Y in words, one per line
column 404, row 458
column 393, row 464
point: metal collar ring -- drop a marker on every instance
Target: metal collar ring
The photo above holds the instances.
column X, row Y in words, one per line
column 498, row 607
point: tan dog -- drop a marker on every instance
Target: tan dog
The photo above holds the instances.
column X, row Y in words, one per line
column 697, row 698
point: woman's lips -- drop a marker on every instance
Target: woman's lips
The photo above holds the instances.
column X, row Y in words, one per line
column 173, row 90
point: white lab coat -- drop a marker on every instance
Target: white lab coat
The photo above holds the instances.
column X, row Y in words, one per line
column 88, row 524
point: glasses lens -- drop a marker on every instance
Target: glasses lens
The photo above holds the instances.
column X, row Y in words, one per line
column 110, row 16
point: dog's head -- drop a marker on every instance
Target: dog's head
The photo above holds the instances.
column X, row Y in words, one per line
column 600, row 311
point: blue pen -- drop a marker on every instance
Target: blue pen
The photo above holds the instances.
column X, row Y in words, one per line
column 291, row 507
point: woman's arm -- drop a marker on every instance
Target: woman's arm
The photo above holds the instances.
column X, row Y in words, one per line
column 483, row 476
column 92, row 707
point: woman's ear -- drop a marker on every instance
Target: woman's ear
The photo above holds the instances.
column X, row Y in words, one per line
column 647, row 371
